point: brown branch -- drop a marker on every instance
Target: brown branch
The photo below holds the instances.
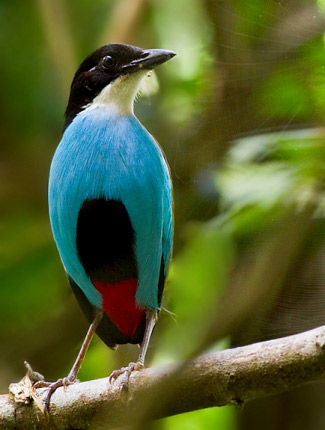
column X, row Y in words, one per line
column 228, row 377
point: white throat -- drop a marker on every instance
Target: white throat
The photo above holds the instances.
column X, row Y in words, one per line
column 119, row 95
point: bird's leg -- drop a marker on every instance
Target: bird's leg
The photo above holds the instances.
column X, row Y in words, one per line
column 90, row 333
column 151, row 319
column 72, row 376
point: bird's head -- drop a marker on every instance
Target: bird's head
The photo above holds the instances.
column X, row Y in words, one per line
column 111, row 76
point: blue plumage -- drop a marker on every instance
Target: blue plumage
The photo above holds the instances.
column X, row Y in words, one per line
column 104, row 154
column 110, row 203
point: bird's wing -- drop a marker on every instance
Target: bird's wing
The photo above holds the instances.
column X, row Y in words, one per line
column 167, row 238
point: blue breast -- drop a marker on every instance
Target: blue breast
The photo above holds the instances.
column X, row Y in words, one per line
column 103, row 154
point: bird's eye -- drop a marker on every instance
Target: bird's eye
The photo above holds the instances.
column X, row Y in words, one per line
column 107, row 62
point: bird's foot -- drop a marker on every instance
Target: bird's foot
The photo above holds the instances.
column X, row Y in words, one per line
column 51, row 388
column 126, row 372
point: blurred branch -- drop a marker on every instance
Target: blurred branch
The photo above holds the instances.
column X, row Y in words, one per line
column 122, row 22
column 222, row 378
column 283, row 39
column 57, row 31
column 259, row 278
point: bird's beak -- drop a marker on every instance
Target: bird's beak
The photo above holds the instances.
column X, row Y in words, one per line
column 148, row 60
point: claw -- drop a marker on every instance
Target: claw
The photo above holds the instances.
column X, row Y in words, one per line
column 41, row 384
column 51, row 388
column 126, row 372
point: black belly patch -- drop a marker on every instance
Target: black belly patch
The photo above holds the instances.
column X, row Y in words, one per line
column 105, row 245
column 105, row 240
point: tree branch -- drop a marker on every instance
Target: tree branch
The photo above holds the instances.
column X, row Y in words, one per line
column 234, row 376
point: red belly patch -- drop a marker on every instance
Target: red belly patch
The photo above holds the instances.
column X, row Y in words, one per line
column 119, row 304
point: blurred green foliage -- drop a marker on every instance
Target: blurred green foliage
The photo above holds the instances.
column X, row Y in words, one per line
column 239, row 115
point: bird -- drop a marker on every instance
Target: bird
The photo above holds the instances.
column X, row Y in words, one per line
column 111, row 204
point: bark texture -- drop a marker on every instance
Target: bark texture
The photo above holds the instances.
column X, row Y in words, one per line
column 233, row 376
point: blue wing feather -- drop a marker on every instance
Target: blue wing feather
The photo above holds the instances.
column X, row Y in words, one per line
column 167, row 238
column 105, row 155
